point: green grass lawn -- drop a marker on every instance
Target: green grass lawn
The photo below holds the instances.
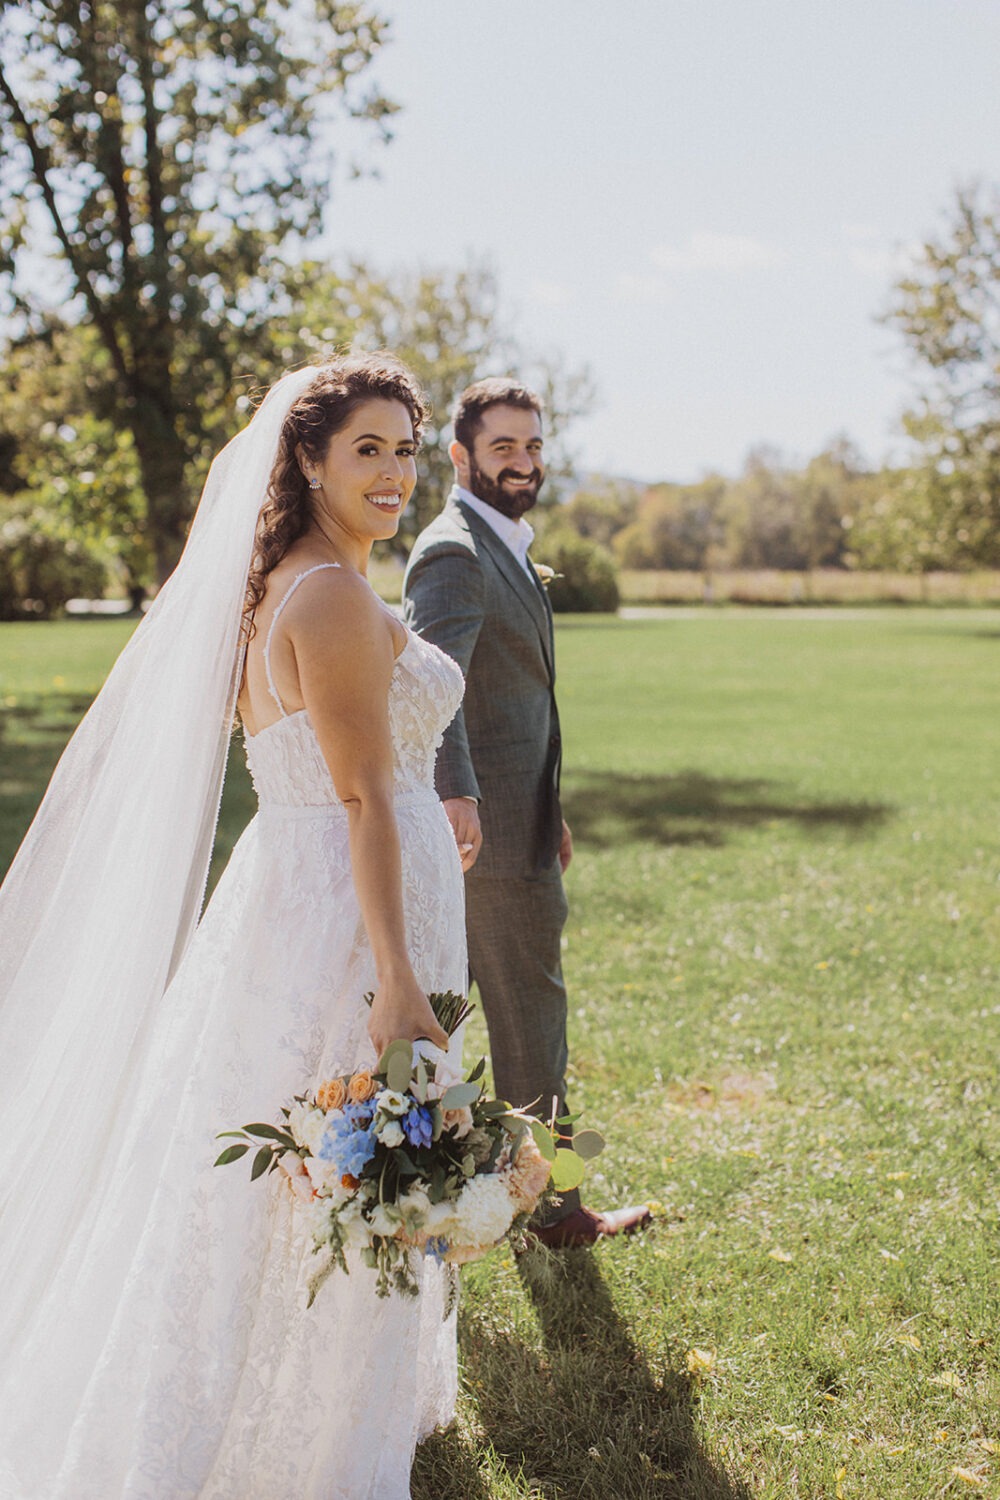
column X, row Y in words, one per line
column 785, row 1016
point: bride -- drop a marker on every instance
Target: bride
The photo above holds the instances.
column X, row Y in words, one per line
column 154, row 1340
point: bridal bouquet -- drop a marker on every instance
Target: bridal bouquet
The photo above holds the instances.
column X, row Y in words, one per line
column 392, row 1161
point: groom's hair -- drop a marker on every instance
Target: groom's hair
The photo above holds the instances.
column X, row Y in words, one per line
column 498, row 390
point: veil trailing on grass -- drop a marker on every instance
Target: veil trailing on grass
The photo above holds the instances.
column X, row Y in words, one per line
column 104, row 895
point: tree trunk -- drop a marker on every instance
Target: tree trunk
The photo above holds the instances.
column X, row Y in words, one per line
column 162, row 461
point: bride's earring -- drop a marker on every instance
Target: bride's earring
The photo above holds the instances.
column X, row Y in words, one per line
column 314, row 483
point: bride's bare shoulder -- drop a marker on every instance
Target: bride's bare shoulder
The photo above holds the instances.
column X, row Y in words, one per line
column 333, row 610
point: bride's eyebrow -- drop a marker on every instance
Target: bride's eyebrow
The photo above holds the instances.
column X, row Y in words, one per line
column 373, row 437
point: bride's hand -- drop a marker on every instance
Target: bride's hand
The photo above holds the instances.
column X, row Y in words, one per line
column 401, row 1009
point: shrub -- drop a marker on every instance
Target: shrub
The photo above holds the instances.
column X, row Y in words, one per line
column 587, row 581
column 40, row 569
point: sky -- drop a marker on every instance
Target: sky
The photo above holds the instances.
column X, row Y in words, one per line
column 703, row 201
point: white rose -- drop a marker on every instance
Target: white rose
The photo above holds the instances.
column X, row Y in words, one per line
column 391, row 1134
column 311, row 1129
column 483, row 1212
column 392, row 1103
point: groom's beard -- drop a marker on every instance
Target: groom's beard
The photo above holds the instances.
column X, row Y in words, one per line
column 513, row 502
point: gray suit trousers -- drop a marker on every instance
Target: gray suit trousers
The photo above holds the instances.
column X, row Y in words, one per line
column 515, row 926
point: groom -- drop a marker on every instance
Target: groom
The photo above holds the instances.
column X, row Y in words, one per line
column 471, row 588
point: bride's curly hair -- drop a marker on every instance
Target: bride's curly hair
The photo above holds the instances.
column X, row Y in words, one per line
column 324, row 408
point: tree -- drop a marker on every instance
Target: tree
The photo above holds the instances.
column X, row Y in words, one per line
column 171, row 152
column 68, row 459
column 602, row 509
column 448, row 326
column 947, row 308
column 676, row 526
column 445, row 322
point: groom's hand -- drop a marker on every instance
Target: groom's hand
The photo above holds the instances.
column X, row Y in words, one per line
column 463, row 815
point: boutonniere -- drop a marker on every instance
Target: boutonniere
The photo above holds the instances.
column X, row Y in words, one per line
column 545, row 573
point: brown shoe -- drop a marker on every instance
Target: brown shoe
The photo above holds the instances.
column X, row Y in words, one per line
column 583, row 1227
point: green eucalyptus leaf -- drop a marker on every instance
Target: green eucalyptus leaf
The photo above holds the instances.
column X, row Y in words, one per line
column 459, row 1095
column 399, row 1069
column 478, row 1070
column 543, row 1140
column 588, row 1144
column 420, row 1083
column 231, row 1153
column 567, row 1171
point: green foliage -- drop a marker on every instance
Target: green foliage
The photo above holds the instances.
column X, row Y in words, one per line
column 675, row 526
column 601, row 510
column 446, row 323
column 772, row 516
column 176, row 154
column 448, row 326
column 41, row 567
column 586, row 579
column 947, row 309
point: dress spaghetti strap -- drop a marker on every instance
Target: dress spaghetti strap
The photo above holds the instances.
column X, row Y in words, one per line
column 274, row 620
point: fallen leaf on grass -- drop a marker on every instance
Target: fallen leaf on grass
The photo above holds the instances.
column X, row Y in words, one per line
column 949, row 1380
column 700, row 1362
column 781, row 1255
column 909, row 1339
column 796, row 1434
column 988, row 1445
column 966, row 1476
column 841, row 1475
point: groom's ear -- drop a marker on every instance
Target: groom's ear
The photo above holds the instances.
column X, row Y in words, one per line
column 459, row 455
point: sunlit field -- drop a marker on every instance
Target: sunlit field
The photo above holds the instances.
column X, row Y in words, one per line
column 782, row 960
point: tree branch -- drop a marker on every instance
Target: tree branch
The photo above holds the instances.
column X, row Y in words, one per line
column 40, row 168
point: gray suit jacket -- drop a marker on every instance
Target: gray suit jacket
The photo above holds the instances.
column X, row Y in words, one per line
column 465, row 591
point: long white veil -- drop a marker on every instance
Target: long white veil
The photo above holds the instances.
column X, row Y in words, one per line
column 106, row 889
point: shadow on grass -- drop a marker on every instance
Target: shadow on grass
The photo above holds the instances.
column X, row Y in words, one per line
column 584, row 1418
column 604, row 809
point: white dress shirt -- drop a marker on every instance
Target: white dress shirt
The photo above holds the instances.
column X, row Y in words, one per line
column 516, row 535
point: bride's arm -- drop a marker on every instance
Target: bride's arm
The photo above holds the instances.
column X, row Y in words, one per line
column 344, row 652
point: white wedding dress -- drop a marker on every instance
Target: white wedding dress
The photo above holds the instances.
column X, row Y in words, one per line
column 175, row 1358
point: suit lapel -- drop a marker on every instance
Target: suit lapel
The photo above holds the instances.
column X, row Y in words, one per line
column 528, row 591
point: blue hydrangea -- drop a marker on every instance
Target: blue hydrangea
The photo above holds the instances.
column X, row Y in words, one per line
column 346, row 1144
column 418, row 1125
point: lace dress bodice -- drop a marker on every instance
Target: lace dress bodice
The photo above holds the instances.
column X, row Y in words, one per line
column 285, row 760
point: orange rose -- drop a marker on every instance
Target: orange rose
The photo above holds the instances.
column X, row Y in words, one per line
column 349, row 1182
column 332, row 1094
column 361, row 1087
column 527, row 1179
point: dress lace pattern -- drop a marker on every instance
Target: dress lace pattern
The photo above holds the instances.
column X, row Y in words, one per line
column 212, row 1381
